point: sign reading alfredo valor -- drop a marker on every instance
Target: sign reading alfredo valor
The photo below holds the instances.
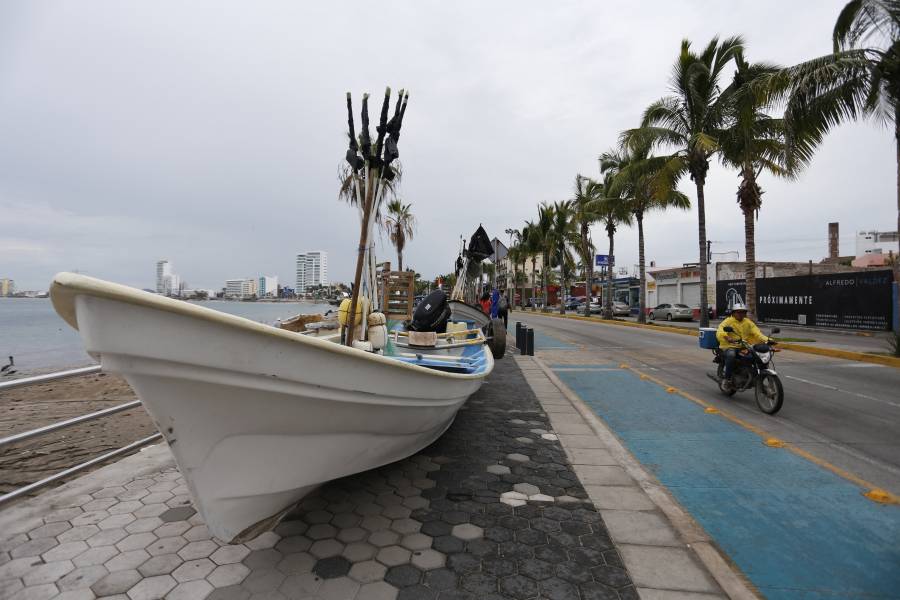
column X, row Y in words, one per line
column 852, row 300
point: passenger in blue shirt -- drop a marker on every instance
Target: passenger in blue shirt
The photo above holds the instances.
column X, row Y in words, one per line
column 495, row 303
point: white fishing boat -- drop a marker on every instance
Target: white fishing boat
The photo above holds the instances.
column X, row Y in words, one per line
column 258, row 416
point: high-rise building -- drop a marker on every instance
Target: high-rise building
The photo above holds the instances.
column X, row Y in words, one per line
column 7, row 287
column 268, row 286
column 312, row 270
column 167, row 282
column 164, row 277
column 301, row 274
column 316, row 268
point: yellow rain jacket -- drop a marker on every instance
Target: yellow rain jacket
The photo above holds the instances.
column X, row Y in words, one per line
column 747, row 329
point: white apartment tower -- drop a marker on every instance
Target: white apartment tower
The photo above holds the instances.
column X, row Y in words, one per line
column 164, row 274
column 312, row 270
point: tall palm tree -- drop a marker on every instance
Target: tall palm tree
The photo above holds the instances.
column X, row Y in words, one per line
column 614, row 211
column 563, row 233
column 542, row 229
column 512, row 255
column 533, row 247
column 518, row 253
column 861, row 78
column 400, row 225
column 585, row 206
column 690, row 121
column 752, row 143
column 646, row 184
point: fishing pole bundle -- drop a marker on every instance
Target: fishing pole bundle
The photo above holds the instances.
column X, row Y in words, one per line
column 372, row 169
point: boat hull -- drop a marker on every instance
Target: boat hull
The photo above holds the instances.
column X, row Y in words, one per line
column 257, row 417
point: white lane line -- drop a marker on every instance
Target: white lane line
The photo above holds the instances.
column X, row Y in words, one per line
column 837, row 389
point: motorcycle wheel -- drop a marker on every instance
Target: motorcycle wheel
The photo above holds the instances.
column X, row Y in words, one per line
column 720, row 373
column 769, row 393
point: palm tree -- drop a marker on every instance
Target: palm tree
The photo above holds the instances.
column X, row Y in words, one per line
column 861, row 78
column 562, row 234
column 542, row 229
column 585, row 206
column 532, row 243
column 613, row 211
column 647, row 185
column 752, row 143
column 518, row 252
column 512, row 255
column 690, row 120
column 400, row 224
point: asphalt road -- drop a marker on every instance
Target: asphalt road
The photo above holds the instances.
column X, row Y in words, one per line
column 844, row 412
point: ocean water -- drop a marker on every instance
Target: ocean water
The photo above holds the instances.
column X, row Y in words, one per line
column 32, row 332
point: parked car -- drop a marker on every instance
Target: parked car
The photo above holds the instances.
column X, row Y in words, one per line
column 620, row 309
column 671, row 312
column 575, row 302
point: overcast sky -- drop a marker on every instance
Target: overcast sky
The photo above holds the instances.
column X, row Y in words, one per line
column 210, row 134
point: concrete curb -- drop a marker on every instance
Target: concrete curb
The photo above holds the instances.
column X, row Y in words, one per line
column 729, row 578
column 888, row 361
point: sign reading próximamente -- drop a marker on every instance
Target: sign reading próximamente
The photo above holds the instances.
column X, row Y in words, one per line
column 861, row 300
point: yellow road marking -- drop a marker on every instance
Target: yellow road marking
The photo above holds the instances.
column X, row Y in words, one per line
column 888, row 361
column 872, row 492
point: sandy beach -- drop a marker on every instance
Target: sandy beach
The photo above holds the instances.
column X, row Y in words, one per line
column 37, row 405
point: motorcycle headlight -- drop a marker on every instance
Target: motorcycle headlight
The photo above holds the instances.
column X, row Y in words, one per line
column 765, row 357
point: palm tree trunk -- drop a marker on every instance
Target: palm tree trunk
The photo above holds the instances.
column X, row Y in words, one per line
column 609, row 275
column 642, row 304
column 563, row 280
column 399, row 259
column 544, row 290
column 588, row 289
column 701, row 224
column 524, row 283
column 897, row 258
column 589, row 276
column 750, row 262
column 533, row 271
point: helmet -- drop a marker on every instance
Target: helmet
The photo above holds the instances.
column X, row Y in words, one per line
column 738, row 306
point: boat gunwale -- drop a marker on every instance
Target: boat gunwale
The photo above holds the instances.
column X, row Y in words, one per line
column 66, row 286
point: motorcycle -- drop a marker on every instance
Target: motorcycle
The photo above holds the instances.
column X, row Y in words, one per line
column 754, row 368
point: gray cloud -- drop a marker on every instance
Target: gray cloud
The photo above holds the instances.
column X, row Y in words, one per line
column 211, row 133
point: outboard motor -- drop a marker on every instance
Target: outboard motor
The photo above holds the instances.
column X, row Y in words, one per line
column 432, row 313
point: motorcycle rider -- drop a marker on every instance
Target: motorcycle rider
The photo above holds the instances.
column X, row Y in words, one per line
column 744, row 329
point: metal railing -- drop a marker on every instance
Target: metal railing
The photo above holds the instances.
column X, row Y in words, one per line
column 25, row 435
column 23, row 381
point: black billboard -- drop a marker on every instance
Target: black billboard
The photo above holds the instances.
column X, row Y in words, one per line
column 861, row 300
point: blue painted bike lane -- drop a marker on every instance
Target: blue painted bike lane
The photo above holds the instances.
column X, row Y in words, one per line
column 795, row 529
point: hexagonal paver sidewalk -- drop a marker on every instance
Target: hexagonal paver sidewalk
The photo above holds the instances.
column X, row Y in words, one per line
column 491, row 509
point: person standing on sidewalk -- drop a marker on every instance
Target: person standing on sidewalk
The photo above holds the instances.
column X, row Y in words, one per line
column 503, row 309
